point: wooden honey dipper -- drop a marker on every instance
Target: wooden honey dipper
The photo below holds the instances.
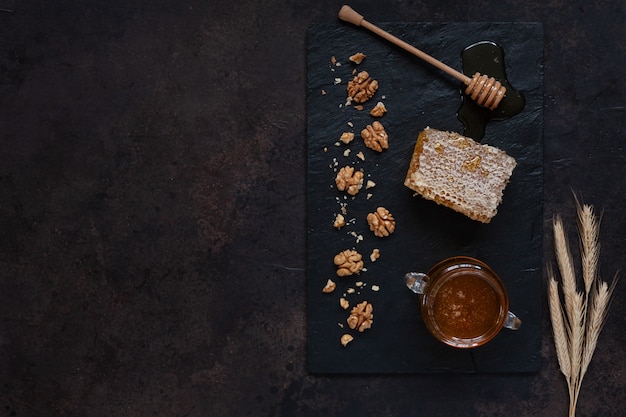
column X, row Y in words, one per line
column 487, row 92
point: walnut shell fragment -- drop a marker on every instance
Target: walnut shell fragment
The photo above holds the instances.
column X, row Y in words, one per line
column 381, row 222
column 361, row 317
column 348, row 262
column 361, row 88
column 375, row 137
column 349, row 180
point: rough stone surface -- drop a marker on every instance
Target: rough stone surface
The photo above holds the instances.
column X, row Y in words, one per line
column 152, row 209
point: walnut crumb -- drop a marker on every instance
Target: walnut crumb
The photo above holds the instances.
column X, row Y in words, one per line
column 358, row 57
column 375, row 288
column 344, row 303
column 346, row 137
column 375, row 255
column 345, row 339
column 340, row 221
column 379, row 110
column 370, row 184
column 329, row 287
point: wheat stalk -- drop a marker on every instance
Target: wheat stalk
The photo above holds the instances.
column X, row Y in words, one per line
column 578, row 320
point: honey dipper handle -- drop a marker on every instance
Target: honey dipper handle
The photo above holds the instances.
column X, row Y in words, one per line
column 347, row 14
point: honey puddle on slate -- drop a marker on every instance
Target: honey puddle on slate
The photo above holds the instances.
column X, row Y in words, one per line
column 487, row 58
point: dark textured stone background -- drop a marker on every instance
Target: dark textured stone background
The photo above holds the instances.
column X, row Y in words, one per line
column 152, row 209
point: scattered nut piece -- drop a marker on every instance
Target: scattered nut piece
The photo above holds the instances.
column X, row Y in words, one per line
column 346, row 153
column 344, row 303
column 329, row 287
column 370, row 184
column 361, row 88
column 359, row 283
column 350, row 290
column 348, row 180
column 346, row 137
column 375, row 137
column 333, row 60
column 378, row 110
column 375, row 255
column 337, row 81
column 381, row 222
column 340, row 221
column 359, row 107
column 375, row 288
column 348, row 262
column 361, row 156
column 357, row 58
column 345, row 339
column 361, row 317
column 323, row 92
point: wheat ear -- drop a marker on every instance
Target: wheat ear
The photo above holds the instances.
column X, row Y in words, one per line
column 577, row 322
column 561, row 340
column 589, row 227
column 566, row 266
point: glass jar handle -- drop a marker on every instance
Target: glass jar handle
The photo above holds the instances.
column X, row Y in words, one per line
column 416, row 281
column 512, row 321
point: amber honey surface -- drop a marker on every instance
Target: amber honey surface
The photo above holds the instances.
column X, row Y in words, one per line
column 466, row 306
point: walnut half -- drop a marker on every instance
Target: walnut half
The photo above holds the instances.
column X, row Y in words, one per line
column 381, row 222
column 375, row 137
column 348, row 262
column 361, row 317
column 361, row 88
column 349, row 180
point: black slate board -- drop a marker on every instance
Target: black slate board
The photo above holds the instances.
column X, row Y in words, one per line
column 417, row 95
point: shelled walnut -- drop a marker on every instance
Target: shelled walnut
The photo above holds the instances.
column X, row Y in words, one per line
column 361, row 317
column 362, row 87
column 348, row 262
column 381, row 222
column 349, row 180
column 375, row 137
